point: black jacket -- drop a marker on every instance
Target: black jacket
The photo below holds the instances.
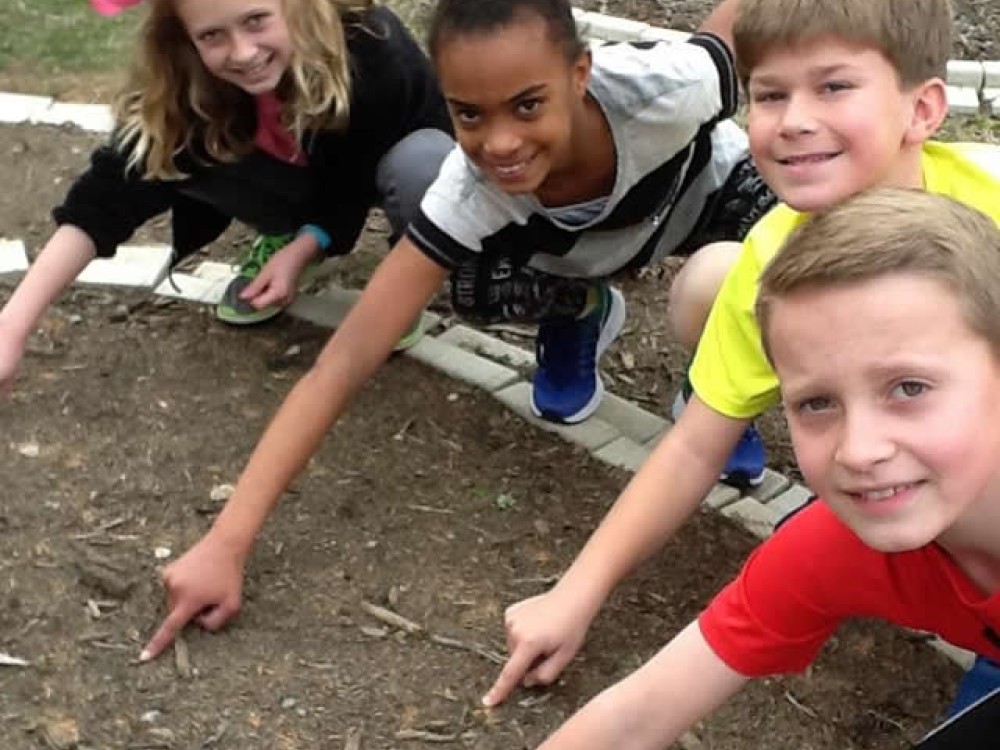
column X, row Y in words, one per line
column 393, row 93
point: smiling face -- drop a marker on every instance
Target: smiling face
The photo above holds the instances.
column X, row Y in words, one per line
column 893, row 405
column 515, row 101
column 243, row 43
column 828, row 119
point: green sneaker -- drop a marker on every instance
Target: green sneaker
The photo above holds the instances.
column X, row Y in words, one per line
column 235, row 311
column 411, row 337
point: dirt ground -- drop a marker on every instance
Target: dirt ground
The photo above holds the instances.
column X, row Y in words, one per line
column 428, row 499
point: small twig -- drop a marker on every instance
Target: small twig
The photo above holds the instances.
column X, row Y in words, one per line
column 419, row 734
column 391, row 618
column 107, row 526
column 802, row 707
column 429, row 509
column 474, row 648
column 546, row 580
column 219, row 734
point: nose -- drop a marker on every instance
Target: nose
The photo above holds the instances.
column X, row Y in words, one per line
column 502, row 140
column 798, row 117
column 862, row 443
column 242, row 48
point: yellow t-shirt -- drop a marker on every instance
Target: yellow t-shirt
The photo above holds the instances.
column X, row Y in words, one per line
column 730, row 372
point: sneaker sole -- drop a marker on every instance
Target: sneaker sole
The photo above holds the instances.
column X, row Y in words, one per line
column 740, row 480
column 613, row 325
column 232, row 317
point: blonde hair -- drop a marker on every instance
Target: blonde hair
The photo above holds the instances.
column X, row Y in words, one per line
column 171, row 103
column 891, row 231
column 913, row 35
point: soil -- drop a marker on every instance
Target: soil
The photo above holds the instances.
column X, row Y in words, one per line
column 428, row 499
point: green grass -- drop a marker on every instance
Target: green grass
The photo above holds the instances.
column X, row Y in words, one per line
column 47, row 46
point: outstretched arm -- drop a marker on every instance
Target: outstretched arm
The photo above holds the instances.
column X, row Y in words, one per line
column 545, row 632
column 205, row 583
column 66, row 253
column 654, row 706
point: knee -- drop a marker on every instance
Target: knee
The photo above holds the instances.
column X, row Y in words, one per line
column 695, row 288
column 407, row 170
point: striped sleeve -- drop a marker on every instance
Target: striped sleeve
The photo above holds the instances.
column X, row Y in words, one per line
column 722, row 56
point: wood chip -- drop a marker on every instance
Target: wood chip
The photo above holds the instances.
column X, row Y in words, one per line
column 182, row 659
column 6, row 660
column 353, row 740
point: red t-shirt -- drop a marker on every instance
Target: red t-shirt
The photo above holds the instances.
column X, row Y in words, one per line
column 814, row 572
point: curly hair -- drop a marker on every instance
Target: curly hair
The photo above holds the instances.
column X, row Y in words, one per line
column 172, row 104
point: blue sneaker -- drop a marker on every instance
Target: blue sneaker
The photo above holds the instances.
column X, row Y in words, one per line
column 567, row 387
column 745, row 467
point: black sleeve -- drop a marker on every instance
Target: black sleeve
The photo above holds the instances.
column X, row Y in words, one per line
column 109, row 202
column 722, row 56
column 394, row 92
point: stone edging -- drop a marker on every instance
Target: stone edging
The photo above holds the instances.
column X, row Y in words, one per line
column 621, row 433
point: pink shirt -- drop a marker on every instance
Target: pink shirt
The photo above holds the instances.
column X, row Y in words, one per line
column 272, row 137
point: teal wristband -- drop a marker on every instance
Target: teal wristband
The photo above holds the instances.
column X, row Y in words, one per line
column 321, row 237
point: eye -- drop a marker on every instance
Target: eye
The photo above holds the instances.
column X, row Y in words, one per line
column 814, row 405
column 529, row 107
column 764, row 96
column 834, row 87
column 909, row 389
column 256, row 20
column 209, row 37
column 466, row 116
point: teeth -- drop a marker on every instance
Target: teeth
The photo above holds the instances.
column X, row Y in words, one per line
column 883, row 494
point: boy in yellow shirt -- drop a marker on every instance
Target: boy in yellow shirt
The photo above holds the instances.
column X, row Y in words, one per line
column 844, row 96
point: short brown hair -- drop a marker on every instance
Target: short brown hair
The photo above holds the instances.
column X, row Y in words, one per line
column 891, row 231
column 913, row 35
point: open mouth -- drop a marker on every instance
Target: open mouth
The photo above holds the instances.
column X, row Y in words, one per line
column 255, row 70
column 805, row 159
column 883, row 494
column 510, row 172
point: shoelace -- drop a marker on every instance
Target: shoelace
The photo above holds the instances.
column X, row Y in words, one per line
column 260, row 252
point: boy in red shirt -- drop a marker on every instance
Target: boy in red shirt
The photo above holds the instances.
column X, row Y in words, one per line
column 881, row 318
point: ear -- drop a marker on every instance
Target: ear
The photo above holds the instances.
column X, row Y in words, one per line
column 930, row 106
column 581, row 72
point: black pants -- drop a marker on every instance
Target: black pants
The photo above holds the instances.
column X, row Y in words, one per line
column 492, row 289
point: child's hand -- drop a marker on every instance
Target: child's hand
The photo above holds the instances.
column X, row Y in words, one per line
column 543, row 634
column 11, row 354
column 278, row 281
column 204, row 585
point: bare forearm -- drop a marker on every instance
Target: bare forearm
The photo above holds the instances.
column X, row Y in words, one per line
column 397, row 293
column 292, row 437
column 660, row 498
column 654, row 505
column 62, row 259
column 654, row 706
